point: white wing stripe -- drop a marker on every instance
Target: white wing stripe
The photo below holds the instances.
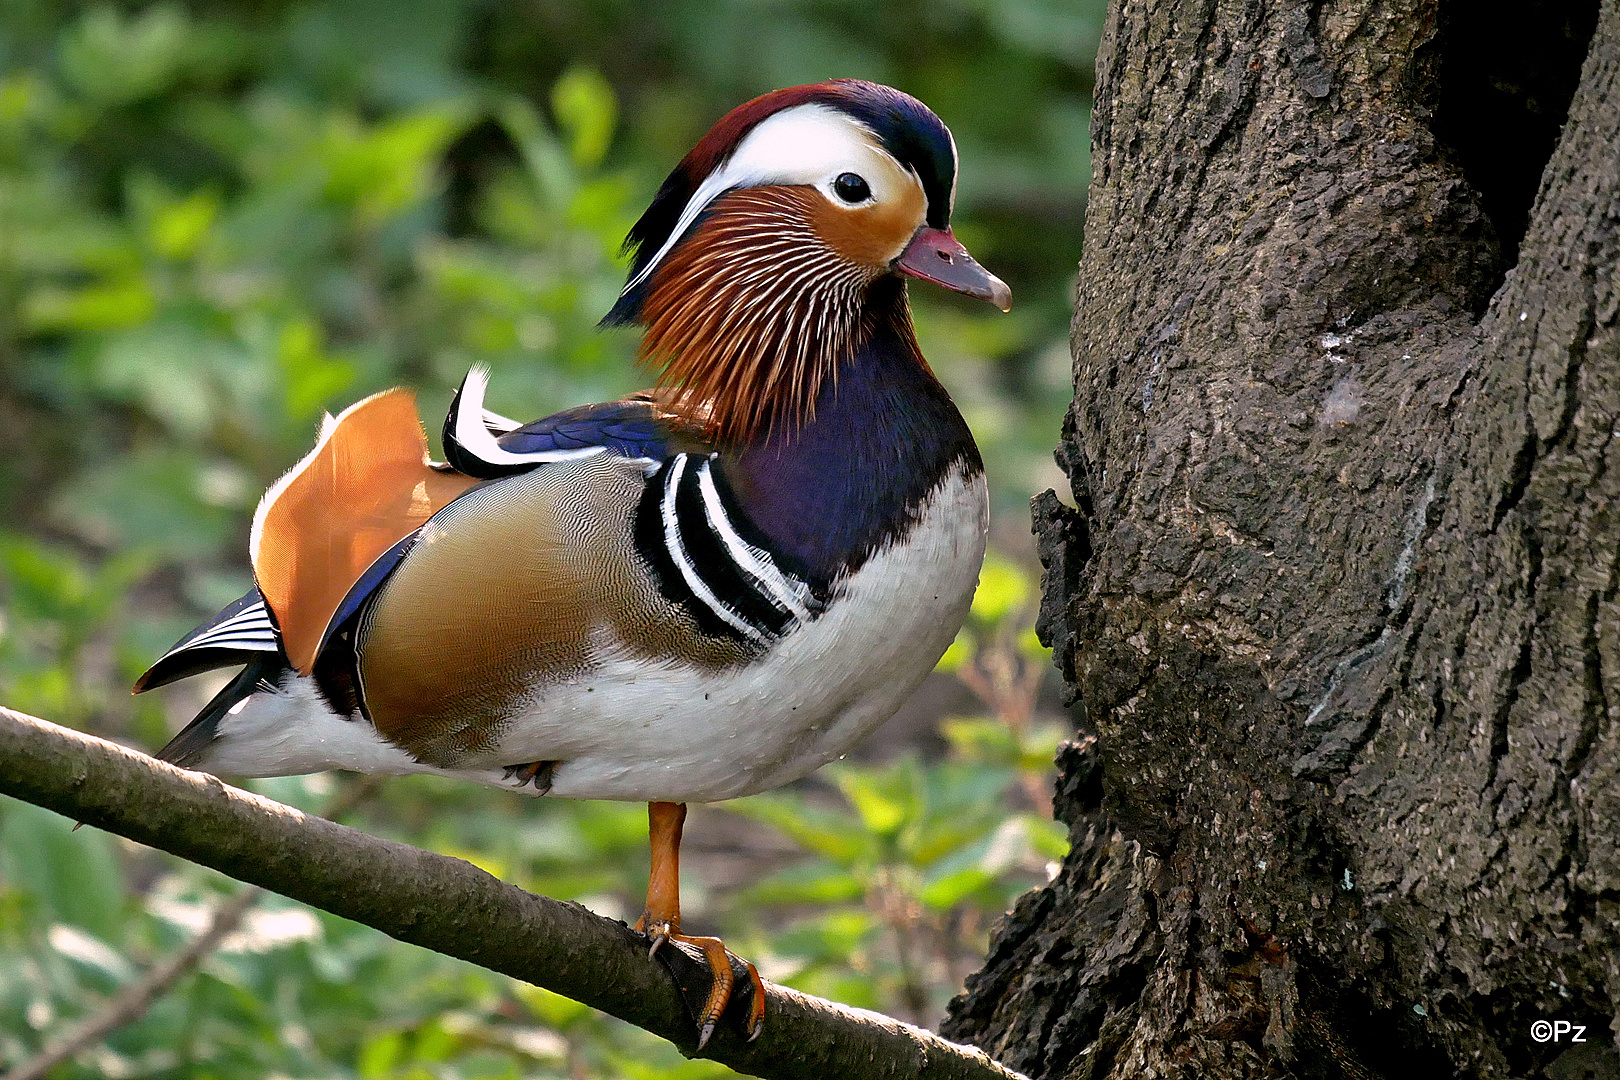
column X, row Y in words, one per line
column 254, row 614
column 683, row 561
column 475, row 438
column 498, row 424
column 212, row 639
column 249, row 630
column 236, row 630
column 250, row 644
column 751, row 560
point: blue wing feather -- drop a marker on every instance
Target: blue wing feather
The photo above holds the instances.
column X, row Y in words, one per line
column 367, row 584
column 633, row 427
column 629, row 428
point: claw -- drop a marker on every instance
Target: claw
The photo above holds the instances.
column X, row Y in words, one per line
column 537, row 773
column 719, row 961
column 756, row 1008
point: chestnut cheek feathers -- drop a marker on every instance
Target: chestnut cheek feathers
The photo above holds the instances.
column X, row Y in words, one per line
column 935, row 255
column 874, row 235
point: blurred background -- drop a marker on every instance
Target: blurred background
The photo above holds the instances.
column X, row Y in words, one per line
column 218, row 220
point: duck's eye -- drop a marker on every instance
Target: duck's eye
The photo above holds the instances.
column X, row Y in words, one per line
column 851, row 188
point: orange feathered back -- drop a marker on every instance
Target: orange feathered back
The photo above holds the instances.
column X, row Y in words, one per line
column 365, row 487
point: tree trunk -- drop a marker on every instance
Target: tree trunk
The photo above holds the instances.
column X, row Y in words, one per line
column 1340, row 594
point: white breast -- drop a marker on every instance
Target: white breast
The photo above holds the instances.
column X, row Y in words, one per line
column 681, row 735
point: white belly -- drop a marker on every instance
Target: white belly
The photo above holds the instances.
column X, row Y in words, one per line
column 676, row 734
column 633, row 731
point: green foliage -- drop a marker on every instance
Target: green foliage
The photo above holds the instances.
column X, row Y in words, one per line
column 78, row 883
column 217, row 221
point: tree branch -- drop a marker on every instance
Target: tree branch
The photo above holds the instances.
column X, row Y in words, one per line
column 452, row 907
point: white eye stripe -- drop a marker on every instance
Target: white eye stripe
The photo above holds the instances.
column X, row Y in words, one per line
column 805, row 145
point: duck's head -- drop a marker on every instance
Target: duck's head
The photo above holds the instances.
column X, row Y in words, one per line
column 767, row 254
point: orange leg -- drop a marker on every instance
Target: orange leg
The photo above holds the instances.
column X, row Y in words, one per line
column 661, row 920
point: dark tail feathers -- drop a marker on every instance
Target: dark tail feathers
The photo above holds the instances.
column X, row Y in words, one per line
column 186, row 748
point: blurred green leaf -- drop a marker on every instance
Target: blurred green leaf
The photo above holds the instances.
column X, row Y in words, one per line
column 178, row 229
column 820, row 830
column 957, row 654
column 71, row 876
column 809, row 883
column 827, row 937
column 379, row 1055
column 385, row 169
column 883, row 800
column 157, row 501
column 113, row 306
column 953, row 888
column 554, row 1010
column 1049, row 838
column 1004, row 588
column 169, row 369
column 588, row 111
column 1029, row 645
column 113, row 58
column 314, row 378
column 981, row 740
column 547, row 162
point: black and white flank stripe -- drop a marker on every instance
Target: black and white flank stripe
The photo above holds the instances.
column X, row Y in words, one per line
column 242, row 629
column 691, row 532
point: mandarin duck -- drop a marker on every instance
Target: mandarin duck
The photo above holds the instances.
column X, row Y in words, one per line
column 693, row 594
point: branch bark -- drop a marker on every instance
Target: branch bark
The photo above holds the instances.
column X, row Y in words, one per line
column 453, row 907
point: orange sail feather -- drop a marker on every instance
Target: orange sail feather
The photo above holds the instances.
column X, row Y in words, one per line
column 366, row 486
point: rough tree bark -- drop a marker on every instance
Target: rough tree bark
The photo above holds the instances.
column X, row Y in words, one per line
column 1340, row 594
